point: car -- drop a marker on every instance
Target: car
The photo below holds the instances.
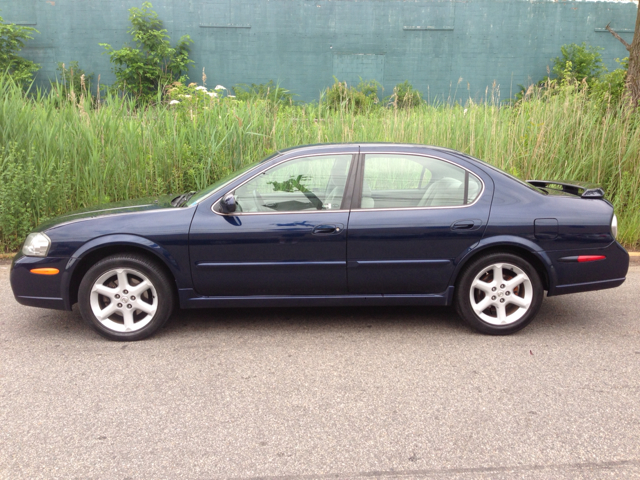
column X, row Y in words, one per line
column 330, row 225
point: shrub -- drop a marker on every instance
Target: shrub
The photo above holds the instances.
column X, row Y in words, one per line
column 12, row 38
column 578, row 63
column 610, row 86
column 405, row 96
column 580, row 68
column 144, row 71
column 270, row 91
column 358, row 99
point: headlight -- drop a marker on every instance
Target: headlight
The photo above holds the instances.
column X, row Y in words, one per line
column 36, row 245
column 614, row 226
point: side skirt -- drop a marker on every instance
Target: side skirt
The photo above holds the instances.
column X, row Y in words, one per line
column 42, row 302
column 189, row 299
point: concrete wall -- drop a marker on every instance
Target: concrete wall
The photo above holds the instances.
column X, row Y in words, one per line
column 304, row 43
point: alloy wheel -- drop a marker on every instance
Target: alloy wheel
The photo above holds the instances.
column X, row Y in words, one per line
column 123, row 300
column 501, row 294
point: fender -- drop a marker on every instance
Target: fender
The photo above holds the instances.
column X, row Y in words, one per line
column 506, row 241
column 183, row 279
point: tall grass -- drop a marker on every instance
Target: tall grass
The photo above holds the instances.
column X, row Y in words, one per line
column 58, row 155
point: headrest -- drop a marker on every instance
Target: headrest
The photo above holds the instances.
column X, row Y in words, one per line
column 366, row 189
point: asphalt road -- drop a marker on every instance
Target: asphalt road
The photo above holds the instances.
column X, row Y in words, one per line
column 325, row 393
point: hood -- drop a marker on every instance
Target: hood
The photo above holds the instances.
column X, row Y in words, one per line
column 115, row 208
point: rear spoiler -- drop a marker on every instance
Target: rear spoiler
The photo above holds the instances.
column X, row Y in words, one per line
column 581, row 189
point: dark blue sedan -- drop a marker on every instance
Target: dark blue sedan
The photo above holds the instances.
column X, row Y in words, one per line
column 330, row 225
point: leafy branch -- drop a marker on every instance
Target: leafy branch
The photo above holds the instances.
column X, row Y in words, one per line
column 12, row 39
column 290, row 185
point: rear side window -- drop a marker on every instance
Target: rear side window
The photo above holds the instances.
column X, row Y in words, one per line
column 406, row 181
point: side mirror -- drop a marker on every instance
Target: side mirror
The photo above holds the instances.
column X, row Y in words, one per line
column 228, row 204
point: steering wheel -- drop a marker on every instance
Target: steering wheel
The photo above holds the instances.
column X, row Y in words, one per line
column 257, row 198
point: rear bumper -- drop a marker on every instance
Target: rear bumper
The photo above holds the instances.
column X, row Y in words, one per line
column 574, row 277
column 587, row 287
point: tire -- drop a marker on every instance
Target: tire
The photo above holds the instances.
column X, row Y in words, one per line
column 111, row 308
column 502, row 307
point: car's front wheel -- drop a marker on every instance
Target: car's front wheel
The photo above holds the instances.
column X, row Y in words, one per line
column 125, row 297
column 499, row 294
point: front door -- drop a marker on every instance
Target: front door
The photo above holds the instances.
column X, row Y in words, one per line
column 415, row 216
column 287, row 237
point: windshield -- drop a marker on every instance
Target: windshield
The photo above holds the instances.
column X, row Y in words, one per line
column 205, row 192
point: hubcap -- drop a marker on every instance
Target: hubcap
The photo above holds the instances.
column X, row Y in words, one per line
column 124, row 300
column 501, row 294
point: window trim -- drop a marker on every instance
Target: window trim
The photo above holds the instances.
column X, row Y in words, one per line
column 354, row 158
column 360, row 181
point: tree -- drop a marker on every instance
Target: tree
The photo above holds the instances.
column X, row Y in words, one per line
column 153, row 63
column 632, row 82
column 12, row 38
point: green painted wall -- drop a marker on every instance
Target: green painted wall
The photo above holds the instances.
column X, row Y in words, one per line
column 304, row 43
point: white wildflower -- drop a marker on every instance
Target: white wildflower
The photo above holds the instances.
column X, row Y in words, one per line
column 201, row 88
column 174, row 102
column 219, row 87
column 465, row 112
column 212, row 94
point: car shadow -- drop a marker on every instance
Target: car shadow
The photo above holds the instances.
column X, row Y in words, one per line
column 209, row 322
column 320, row 319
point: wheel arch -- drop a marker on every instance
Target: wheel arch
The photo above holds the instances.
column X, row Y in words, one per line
column 517, row 246
column 102, row 247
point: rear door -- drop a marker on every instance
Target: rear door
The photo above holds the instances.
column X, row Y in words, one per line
column 412, row 216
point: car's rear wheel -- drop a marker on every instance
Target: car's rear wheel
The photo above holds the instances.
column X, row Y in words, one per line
column 499, row 294
column 126, row 297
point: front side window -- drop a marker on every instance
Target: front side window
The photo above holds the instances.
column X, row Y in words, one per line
column 405, row 181
column 309, row 183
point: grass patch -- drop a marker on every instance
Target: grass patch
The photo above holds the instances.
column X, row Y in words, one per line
column 58, row 155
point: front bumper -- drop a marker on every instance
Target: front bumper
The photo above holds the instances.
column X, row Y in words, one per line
column 44, row 291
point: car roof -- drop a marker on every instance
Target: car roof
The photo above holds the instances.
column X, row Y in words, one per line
column 316, row 146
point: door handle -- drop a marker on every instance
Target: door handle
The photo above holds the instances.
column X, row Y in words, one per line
column 327, row 229
column 466, row 225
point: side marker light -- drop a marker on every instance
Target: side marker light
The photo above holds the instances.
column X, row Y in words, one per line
column 45, row 271
column 590, row 258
